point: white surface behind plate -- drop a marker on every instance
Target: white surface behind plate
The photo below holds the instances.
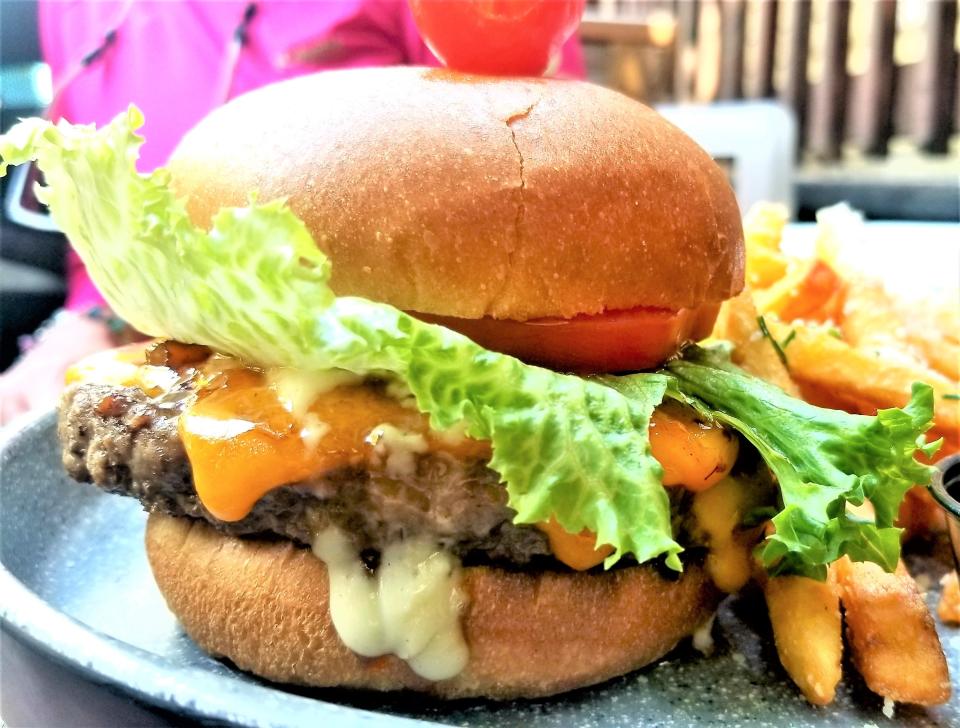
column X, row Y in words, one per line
column 915, row 260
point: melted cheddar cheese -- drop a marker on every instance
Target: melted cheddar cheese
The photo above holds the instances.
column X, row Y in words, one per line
column 694, row 454
column 718, row 513
column 243, row 440
column 125, row 366
column 248, row 431
column 579, row 551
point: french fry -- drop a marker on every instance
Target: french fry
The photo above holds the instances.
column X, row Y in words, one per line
column 805, row 615
column 870, row 317
column 763, row 225
column 762, row 232
column 920, row 513
column 819, row 359
column 737, row 323
column 892, row 637
column 810, row 290
column 948, row 608
column 945, row 318
column 871, row 321
column 765, row 266
column 934, row 330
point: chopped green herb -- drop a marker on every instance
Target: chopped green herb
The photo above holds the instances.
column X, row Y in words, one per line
column 835, row 332
column 776, row 345
column 952, row 396
column 790, row 337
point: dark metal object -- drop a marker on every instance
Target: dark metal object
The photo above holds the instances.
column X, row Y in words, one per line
column 76, row 587
column 242, row 32
column 879, row 197
column 946, row 491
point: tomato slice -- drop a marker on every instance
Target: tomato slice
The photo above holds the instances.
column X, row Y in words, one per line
column 614, row 341
column 497, row 37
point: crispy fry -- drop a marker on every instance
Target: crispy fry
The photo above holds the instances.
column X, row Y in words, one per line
column 934, row 330
column 920, row 513
column 810, row 290
column 945, row 319
column 948, row 608
column 870, row 317
column 886, row 343
column 737, row 323
column 818, row 359
column 763, row 225
column 876, row 347
column 892, row 637
column 871, row 321
column 805, row 615
column 763, row 231
column 765, row 266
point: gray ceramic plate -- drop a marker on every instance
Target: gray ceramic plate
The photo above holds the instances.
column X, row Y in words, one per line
column 75, row 584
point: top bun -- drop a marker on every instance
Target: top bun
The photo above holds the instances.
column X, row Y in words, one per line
column 472, row 196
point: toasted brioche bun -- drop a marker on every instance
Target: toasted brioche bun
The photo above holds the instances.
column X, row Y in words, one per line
column 467, row 196
column 263, row 605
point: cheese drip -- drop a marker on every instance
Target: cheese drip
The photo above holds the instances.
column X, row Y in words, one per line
column 718, row 513
column 410, row 608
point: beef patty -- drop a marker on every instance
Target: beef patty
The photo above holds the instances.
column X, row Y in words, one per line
column 124, row 441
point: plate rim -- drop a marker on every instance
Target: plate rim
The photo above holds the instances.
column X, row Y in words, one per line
column 108, row 661
column 153, row 679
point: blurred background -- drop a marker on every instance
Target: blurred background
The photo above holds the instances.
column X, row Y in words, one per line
column 871, row 86
column 805, row 102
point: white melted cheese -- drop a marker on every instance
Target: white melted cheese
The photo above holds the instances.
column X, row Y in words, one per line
column 410, row 608
column 453, row 436
column 396, row 450
column 312, row 430
column 297, row 389
column 889, row 707
column 398, row 390
column 108, row 367
column 703, row 637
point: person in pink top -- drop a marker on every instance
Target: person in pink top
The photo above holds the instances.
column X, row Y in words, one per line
column 177, row 60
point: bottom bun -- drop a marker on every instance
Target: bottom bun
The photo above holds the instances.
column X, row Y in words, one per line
column 263, row 605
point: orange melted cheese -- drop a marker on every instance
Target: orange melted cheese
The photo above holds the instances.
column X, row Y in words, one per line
column 125, row 366
column 579, row 551
column 242, row 442
column 693, row 454
column 718, row 513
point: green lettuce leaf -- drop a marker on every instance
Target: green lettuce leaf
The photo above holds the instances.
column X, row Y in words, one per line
column 256, row 286
column 823, row 459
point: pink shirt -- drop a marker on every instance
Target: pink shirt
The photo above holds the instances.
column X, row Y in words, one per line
column 176, row 61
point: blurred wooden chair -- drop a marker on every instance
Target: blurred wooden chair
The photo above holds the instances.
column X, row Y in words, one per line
column 873, row 85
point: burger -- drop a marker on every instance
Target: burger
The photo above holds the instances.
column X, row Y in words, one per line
column 422, row 410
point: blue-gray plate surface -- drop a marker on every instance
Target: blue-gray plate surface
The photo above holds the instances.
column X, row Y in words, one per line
column 75, row 584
